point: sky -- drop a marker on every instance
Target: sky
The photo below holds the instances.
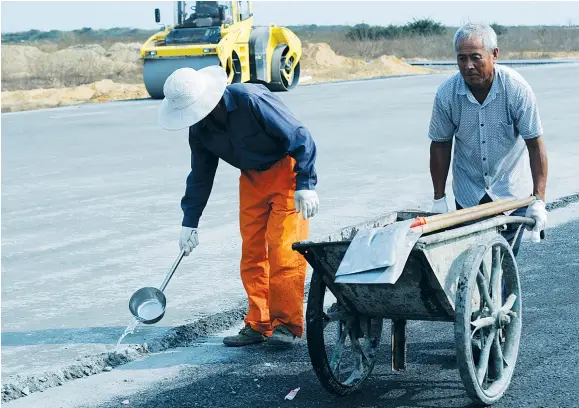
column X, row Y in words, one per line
column 69, row 15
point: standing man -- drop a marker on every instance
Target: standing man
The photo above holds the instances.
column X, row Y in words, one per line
column 491, row 114
column 250, row 128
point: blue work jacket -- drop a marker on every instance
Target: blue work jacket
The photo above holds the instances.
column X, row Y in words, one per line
column 260, row 130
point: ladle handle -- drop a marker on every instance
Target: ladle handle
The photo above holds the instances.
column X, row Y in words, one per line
column 172, row 271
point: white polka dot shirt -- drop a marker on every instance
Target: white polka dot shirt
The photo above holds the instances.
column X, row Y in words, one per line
column 490, row 154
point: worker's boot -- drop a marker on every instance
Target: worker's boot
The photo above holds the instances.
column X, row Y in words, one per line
column 245, row 337
column 281, row 336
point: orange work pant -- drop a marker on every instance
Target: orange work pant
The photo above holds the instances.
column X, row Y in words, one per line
column 272, row 273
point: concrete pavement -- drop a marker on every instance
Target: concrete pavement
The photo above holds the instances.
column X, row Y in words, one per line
column 90, row 205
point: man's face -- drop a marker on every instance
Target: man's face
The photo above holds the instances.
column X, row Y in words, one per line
column 475, row 63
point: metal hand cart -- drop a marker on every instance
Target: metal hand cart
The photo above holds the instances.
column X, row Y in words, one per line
column 456, row 268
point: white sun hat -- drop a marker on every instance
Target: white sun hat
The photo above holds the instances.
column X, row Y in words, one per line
column 191, row 95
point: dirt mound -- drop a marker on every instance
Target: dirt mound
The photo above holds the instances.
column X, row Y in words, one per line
column 19, row 60
column 124, row 52
column 100, row 91
column 25, row 67
column 321, row 63
column 106, row 72
column 96, row 48
column 316, row 56
column 107, row 90
column 394, row 66
column 70, row 67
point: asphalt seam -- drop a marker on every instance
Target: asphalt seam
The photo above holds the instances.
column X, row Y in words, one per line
column 18, row 386
column 563, row 202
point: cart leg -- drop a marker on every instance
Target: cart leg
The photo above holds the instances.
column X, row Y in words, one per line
column 398, row 345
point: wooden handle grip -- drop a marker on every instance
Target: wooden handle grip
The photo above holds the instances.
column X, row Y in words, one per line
column 441, row 221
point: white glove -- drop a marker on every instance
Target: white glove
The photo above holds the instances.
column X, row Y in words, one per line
column 538, row 212
column 439, row 206
column 188, row 239
column 307, row 202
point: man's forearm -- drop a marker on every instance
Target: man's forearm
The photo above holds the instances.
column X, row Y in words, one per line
column 303, row 150
column 198, row 186
column 539, row 165
column 193, row 203
column 440, row 155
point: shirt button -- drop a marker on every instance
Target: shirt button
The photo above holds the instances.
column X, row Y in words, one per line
column 484, row 158
column 482, row 124
column 483, row 142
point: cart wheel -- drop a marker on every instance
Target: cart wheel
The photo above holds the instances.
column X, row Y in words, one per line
column 342, row 347
column 488, row 320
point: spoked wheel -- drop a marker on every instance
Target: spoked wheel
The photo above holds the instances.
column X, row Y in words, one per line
column 342, row 347
column 283, row 77
column 488, row 320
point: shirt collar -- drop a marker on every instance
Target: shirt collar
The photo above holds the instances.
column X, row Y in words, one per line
column 463, row 88
column 230, row 104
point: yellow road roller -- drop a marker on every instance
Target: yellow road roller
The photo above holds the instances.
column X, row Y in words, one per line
column 221, row 33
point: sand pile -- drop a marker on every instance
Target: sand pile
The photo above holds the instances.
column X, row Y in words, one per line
column 321, row 56
column 25, row 67
column 390, row 65
column 19, row 60
column 124, row 52
column 96, row 48
column 100, row 91
column 70, row 67
column 321, row 63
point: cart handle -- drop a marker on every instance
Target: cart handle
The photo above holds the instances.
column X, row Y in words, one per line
column 442, row 221
column 477, row 227
column 451, row 214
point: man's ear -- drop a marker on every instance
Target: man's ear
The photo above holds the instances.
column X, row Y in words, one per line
column 495, row 54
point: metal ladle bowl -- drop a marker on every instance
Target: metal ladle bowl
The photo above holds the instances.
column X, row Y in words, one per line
column 151, row 299
column 148, row 304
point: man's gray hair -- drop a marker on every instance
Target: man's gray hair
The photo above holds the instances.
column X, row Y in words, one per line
column 476, row 30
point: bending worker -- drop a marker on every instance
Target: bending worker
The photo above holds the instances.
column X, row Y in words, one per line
column 491, row 113
column 251, row 129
